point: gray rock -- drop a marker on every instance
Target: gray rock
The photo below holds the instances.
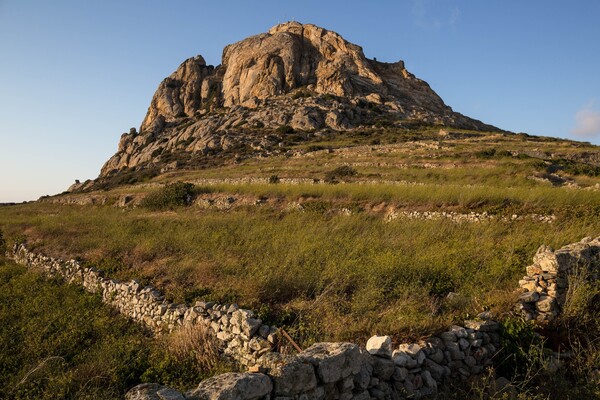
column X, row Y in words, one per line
column 411, row 349
column 293, row 377
column 363, row 377
column 263, row 331
column 437, row 371
column 545, row 304
column 153, row 391
column 459, row 331
column 483, row 326
column 428, row 379
column 448, row 336
column 401, row 359
column 529, row 297
column 485, row 315
column 383, row 368
column 380, row 346
column 470, row 361
column 169, row 394
column 437, row 356
column 400, row 374
column 333, row 361
column 232, row 386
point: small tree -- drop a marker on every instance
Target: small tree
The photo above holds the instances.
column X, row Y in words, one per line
column 344, row 171
column 171, row 195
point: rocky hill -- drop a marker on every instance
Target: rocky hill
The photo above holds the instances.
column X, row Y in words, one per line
column 295, row 79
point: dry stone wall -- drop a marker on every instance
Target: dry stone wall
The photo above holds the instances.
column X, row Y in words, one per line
column 379, row 370
column 323, row 371
column 546, row 285
column 244, row 337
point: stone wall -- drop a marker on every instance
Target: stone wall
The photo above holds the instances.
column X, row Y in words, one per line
column 325, row 370
column 330, row 370
column 244, row 338
column 546, row 285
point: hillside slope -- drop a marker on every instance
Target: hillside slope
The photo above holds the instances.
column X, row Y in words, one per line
column 295, row 78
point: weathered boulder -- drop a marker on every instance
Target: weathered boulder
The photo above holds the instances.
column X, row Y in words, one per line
column 232, row 386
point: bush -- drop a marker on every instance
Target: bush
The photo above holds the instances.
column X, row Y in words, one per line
column 273, row 179
column 186, row 356
column 521, row 349
column 170, row 196
column 285, row 129
column 344, row 171
column 487, row 153
column 2, row 245
column 301, row 94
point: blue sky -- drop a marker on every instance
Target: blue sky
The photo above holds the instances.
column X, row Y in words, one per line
column 74, row 75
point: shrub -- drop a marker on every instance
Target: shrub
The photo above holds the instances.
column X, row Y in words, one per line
column 285, row 129
column 2, row 245
column 170, row 196
column 345, row 171
column 186, row 356
column 273, row 179
column 301, row 94
column 521, row 349
column 487, row 153
column 314, row 147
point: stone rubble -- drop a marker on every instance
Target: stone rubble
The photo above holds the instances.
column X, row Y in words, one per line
column 470, row 217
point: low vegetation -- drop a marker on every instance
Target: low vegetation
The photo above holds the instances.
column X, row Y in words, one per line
column 58, row 342
column 323, row 260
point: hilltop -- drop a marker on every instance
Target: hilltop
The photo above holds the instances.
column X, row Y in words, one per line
column 297, row 82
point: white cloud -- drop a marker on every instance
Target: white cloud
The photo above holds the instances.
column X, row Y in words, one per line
column 434, row 18
column 587, row 123
column 454, row 17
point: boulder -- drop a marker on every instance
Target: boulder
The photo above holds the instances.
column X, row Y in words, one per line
column 293, row 376
column 333, row 361
column 232, row 386
column 383, row 368
column 153, row 391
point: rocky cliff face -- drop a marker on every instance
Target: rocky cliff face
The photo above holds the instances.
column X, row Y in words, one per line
column 299, row 76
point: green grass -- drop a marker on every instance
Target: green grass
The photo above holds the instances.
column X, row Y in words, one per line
column 58, row 342
column 359, row 273
column 528, row 199
column 326, row 276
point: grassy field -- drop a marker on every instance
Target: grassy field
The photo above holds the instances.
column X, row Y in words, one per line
column 58, row 342
column 325, row 274
column 298, row 268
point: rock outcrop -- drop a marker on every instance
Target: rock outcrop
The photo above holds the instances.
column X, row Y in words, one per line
column 297, row 76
